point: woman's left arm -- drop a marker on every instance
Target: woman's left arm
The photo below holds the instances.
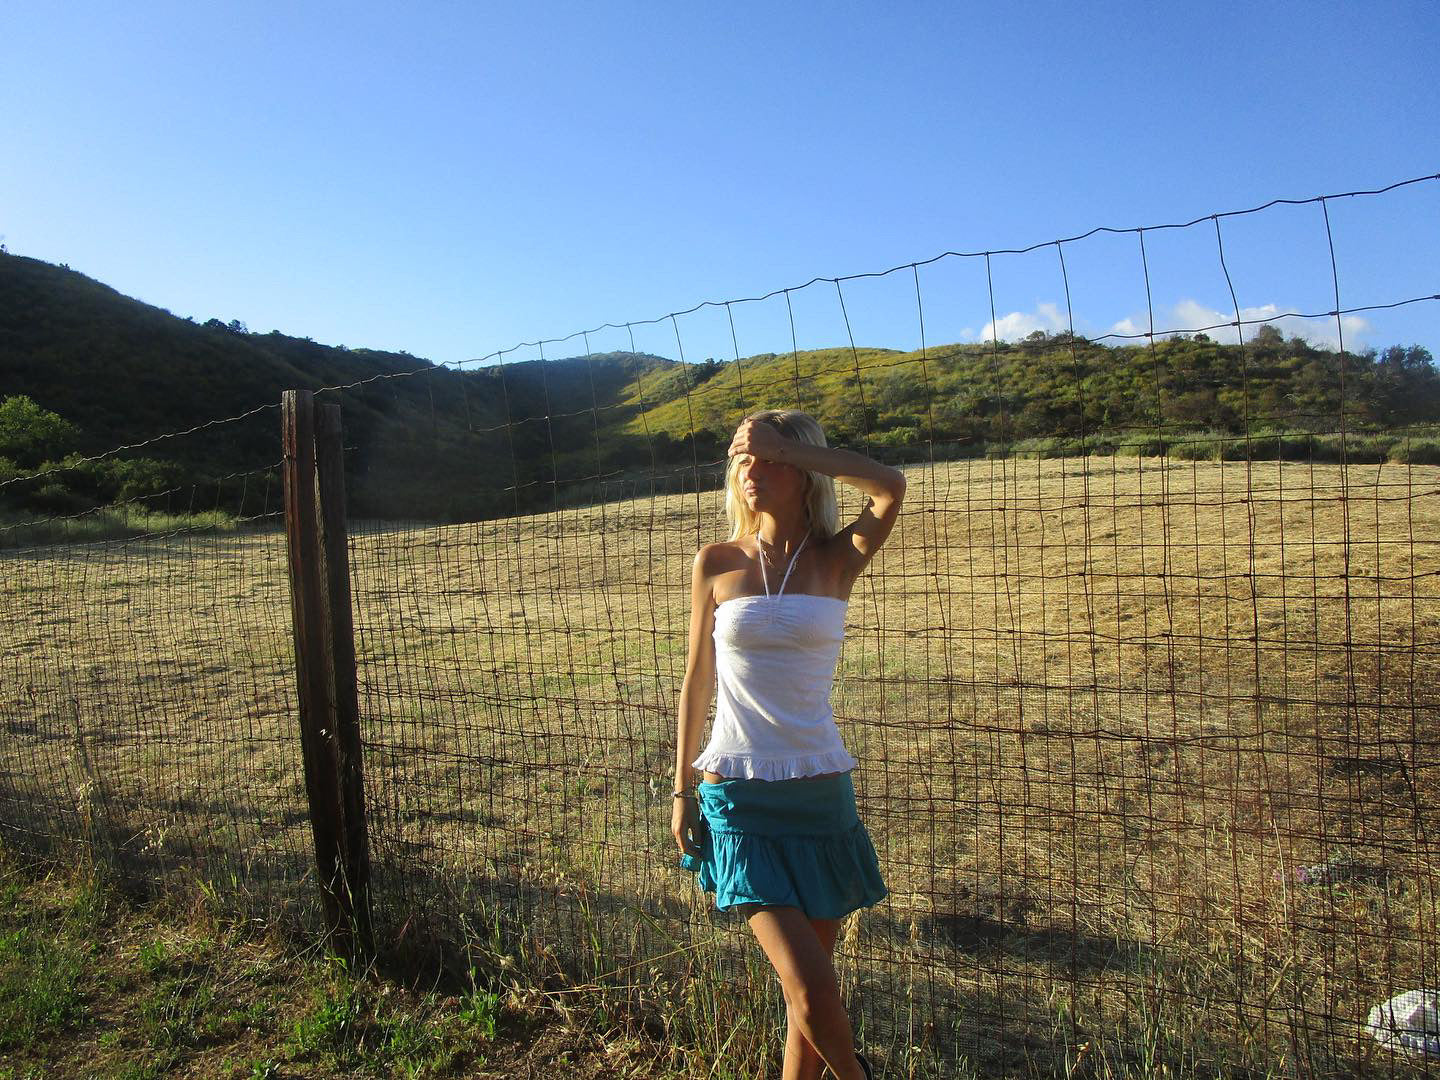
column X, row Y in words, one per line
column 884, row 485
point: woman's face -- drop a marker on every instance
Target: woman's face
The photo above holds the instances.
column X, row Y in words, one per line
column 769, row 485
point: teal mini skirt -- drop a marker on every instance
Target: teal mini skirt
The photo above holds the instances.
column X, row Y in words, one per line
column 798, row 843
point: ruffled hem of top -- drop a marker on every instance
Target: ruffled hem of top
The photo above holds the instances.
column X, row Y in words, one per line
column 746, row 767
column 827, row 877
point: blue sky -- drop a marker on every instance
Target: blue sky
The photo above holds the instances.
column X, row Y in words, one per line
column 451, row 179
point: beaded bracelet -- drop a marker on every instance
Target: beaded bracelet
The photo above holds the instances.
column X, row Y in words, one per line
column 684, row 795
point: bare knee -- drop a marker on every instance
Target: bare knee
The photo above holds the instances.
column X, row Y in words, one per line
column 806, row 1000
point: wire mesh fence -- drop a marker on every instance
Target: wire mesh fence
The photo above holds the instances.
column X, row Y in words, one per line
column 1135, row 775
column 148, row 688
column 1144, row 698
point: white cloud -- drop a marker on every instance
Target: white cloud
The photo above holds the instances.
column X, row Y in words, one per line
column 1189, row 316
column 1018, row 324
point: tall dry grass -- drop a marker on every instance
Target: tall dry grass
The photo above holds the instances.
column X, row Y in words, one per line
column 1109, row 711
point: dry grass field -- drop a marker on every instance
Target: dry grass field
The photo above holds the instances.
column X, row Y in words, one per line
column 1111, row 713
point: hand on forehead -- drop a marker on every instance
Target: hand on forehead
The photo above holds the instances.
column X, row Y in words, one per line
column 759, row 439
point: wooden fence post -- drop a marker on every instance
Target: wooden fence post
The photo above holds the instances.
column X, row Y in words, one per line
column 325, row 666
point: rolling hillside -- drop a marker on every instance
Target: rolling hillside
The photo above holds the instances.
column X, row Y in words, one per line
column 433, row 443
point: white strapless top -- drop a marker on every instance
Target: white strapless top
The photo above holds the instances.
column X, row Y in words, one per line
column 774, row 668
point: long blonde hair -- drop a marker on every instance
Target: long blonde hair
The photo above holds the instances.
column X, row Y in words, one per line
column 822, row 513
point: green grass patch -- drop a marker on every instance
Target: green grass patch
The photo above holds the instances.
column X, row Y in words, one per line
column 94, row 983
column 40, row 980
column 106, row 523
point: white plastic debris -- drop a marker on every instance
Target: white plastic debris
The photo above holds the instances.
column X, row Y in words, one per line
column 1408, row 1021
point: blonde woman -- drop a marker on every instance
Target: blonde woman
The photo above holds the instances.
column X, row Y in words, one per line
column 772, row 828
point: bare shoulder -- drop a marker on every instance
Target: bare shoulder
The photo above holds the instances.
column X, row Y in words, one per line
column 722, row 557
column 712, row 562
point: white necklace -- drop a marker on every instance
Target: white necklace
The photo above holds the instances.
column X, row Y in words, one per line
column 764, row 577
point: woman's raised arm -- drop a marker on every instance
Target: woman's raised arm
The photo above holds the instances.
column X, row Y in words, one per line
column 885, row 485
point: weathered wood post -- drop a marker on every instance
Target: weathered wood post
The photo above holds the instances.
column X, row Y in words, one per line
column 325, row 666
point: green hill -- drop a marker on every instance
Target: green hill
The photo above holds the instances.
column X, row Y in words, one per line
column 998, row 398
column 426, row 445
column 103, row 370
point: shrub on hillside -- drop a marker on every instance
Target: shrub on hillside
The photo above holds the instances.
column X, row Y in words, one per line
column 897, row 436
column 1411, row 451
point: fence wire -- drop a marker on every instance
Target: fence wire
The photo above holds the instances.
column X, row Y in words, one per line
column 147, row 687
column 1145, row 714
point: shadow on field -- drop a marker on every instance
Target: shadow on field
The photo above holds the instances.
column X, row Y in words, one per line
column 1058, row 950
column 942, row 990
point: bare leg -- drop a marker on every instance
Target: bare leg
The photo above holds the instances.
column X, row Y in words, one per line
column 802, row 1062
column 800, row 951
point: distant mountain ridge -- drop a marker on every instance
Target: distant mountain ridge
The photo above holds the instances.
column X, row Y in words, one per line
column 430, row 442
column 124, row 371
column 80, row 348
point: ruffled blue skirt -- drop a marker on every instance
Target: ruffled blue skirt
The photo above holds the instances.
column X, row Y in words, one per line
column 796, row 842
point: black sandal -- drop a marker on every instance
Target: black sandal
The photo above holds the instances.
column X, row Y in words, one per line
column 865, row 1064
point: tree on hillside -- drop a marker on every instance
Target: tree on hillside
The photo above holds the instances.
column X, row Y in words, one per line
column 30, row 435
column 1267, row 337
column 1406, row 387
